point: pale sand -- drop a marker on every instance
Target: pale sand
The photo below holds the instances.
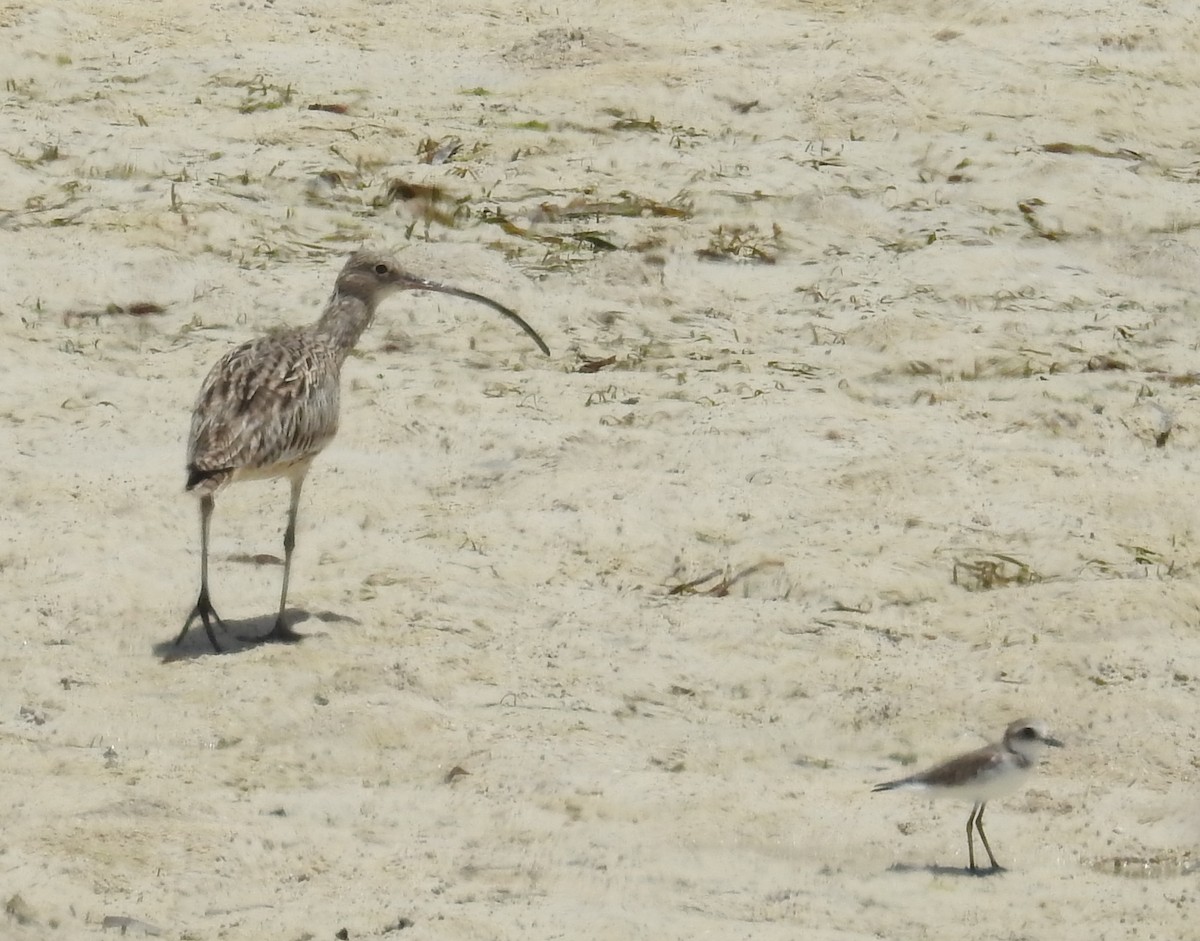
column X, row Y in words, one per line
column 485, row 552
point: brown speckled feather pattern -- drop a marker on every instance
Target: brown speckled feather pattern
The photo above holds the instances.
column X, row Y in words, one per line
column 265, row 407
column 270, row 406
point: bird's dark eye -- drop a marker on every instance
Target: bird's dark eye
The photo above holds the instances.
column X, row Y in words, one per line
column 1028, row 732
column 381, row 269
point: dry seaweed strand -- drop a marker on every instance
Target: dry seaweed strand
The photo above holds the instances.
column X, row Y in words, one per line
column 989, row 571
column 595, row 365
column 723, row 587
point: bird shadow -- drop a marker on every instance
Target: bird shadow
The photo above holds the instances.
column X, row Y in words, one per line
column 933, row 869
column 241, row 635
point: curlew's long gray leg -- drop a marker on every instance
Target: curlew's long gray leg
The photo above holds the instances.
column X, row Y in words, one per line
column 983, row 836
column 204, row 609
column 281, row 633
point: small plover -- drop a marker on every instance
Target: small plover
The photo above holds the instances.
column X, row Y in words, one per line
column 983, row 774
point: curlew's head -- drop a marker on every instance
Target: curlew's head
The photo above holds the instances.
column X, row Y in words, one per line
column 372, row 276
column 369, row 277
column 1026, row 737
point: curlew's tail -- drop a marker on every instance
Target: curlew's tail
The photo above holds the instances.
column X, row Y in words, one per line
column 206, row 480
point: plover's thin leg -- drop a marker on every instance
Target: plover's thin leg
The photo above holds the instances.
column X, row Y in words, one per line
column 983, row 836
column 204, row 609
column 281, row 633
column 971, row 834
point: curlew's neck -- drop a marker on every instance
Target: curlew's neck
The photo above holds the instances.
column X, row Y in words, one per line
column 343, row 321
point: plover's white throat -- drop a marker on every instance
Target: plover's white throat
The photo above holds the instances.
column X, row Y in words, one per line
column 983, row 774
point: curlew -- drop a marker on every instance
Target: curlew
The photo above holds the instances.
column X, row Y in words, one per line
column 983, row 774
column 270, row 406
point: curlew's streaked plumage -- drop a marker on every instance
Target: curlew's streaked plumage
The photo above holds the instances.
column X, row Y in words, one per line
column 268, row 407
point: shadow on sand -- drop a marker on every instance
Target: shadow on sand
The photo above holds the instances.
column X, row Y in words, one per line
column 935, row 870
column 239, row 635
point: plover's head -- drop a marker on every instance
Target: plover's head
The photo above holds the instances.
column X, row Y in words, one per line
column 1027, row 737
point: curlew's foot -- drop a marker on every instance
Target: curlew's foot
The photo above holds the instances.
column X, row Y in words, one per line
column 279, row 634
column 207, row 614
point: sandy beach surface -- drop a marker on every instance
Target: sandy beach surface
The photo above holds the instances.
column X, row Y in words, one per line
column 871, row 424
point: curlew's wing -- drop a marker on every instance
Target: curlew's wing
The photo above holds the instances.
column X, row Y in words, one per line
column 268, row 404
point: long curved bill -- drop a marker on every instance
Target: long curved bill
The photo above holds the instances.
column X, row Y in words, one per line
column 421, row 284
